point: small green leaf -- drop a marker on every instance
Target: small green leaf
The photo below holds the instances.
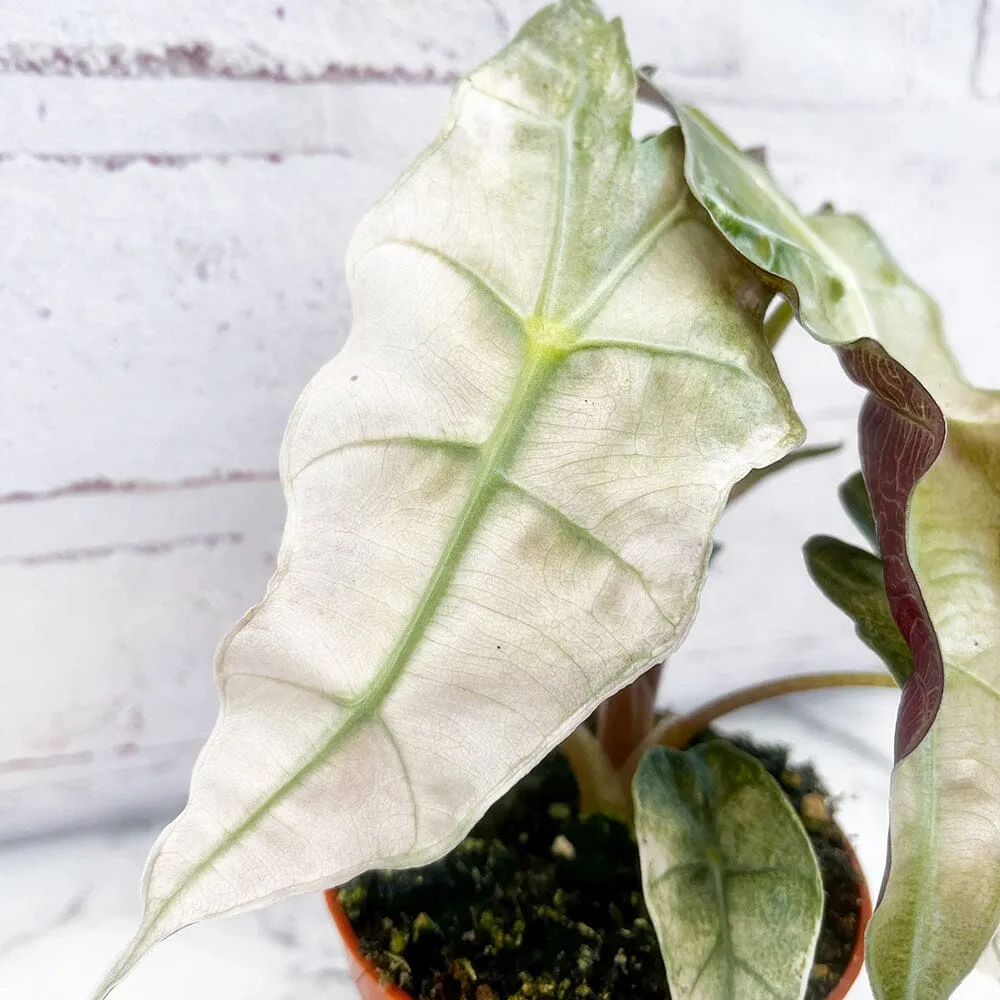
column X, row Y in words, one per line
column 853, row 579
column 730, row 877
column 854, row 497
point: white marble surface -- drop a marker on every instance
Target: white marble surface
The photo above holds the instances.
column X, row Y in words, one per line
column 68, row 904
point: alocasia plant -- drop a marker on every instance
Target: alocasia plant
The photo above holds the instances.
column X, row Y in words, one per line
column 501, row 498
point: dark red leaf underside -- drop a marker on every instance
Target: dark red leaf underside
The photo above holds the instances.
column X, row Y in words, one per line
column 901, row 432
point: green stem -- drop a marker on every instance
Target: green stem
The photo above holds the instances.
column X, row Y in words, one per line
column 677, row 731
column 776, row 324
column 599, row 783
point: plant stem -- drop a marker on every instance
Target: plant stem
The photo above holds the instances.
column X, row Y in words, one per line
column 677, row 731
column 776, row 324
column 626, row 717
column 600, row 785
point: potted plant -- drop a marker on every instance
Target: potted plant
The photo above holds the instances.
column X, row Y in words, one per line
column 501, row 499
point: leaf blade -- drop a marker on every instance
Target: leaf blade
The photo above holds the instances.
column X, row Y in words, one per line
column 476, row 552
column 854, row 499
column 853, row 580
column 730, row 877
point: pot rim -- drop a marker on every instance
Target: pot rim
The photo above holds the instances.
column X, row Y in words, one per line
column 366, row 976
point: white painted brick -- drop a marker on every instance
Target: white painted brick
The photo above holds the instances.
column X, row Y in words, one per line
column 160, row 322
column 443, row 35
column 826, row 52
column 96, row 789
column 380, row 123
column 92, row 520
column 107, row 646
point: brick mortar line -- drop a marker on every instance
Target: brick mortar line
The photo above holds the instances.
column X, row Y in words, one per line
column 979, row 52
column 103, row 486
column 138, row 754
column 154, row 548
column 198, row 60
column 115, row 162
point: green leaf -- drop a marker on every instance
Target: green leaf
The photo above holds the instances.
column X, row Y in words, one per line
column 730, row 877
column 501, row 493
column 836, row 271
column 937, row 504
column 853, row 580
column 854, row 498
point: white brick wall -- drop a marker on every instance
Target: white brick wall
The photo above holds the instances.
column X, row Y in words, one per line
column 178, row 181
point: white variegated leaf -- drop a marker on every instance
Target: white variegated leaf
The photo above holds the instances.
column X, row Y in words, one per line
column 500, row 494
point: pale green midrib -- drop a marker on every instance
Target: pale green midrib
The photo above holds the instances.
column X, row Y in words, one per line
column 704, row 965
column 725, row 941
column 534, row 377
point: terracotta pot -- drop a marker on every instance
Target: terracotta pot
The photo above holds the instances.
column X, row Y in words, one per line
column 365, row 974
column 370, row 988
column 864, row 915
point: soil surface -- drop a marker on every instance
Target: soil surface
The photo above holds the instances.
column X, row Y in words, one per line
column 538, row 902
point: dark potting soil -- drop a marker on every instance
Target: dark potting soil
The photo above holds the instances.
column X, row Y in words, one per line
column 538, row 902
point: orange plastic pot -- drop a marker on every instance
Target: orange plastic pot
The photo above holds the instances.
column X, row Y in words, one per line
column 854, row 966
column 366, row 976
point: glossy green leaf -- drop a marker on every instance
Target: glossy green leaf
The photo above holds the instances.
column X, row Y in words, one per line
column 854, row 497
column 729, row 875
column 853, row 580
column 501, row 493
column 843, row 283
